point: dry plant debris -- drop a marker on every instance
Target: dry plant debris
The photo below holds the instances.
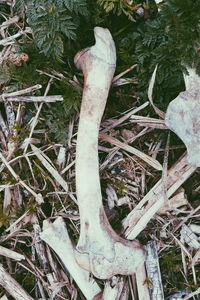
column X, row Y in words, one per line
column 38, row 184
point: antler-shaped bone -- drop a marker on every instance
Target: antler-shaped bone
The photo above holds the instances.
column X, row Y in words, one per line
column 99, row 250
column 183, row 116
column 56, row 236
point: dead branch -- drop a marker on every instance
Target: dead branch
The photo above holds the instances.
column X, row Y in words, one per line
column 37, row 99
column 138, row 218
column 12, row 286
column 153, row 272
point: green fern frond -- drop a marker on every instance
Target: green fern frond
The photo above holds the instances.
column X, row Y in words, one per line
column 58, row 117
column 52, row 22
column 79, row 7
column 50, row 25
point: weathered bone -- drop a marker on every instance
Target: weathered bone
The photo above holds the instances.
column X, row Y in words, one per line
column 183, row 113
column 56, row 236
column 99, row 250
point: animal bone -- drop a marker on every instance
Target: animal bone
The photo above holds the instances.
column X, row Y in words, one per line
column 182, row 116
column 99, row 250
column 56, row 236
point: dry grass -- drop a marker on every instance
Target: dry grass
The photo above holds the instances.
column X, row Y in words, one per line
column 150, row 192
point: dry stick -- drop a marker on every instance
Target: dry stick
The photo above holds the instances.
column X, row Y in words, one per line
column 123, row 81
column 21, row 92
column 38, row 197
column 113, row 288
column 38, row 245
column 10, row 40
column 150, row 94
column 125, row 117
column 149, row 160
column 33, row 99
column 174, row 203
column 35, row 120
column 7, row 198
column 12, row 227
column 148, row 122
column 8, row 22
column 186, row 218
column 11, row 122
column 10, row 115
column 11, row 254
column 44, row 160
column 12, row 286
column 197, row 292
column 3, row 126
column 142, row 285
column 123, row 73
column 99, row 250
column 125, row 292
column 138, row 218
column 153, row 272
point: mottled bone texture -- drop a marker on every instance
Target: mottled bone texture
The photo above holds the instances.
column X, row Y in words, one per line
column 99, row 250
column 183, row 116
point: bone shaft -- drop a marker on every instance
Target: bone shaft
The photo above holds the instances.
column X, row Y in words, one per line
column 93, row 105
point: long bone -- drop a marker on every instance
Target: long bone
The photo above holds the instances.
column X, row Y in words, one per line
column 183, row 116
column 99, row 250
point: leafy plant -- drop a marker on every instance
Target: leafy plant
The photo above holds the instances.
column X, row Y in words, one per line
column 126, row 7
column 53, row 22
column 170, row 39
column 58, row 117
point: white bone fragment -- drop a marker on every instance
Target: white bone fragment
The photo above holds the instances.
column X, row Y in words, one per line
column 56, row 236
column 182, row 116
column 99, row 250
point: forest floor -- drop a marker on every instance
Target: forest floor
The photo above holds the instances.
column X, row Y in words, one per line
column 144, row 176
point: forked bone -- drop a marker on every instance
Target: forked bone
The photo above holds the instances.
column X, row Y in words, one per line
column 183, row 116
column 56, row 236
column 99, row 250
